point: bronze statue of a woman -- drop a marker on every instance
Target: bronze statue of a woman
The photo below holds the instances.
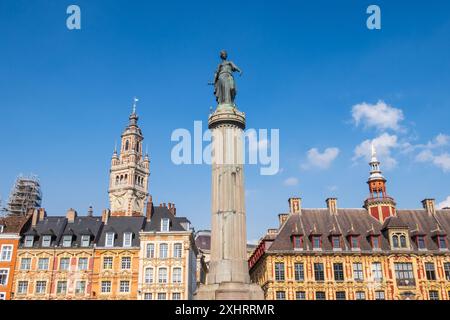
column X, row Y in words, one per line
column 224, row 85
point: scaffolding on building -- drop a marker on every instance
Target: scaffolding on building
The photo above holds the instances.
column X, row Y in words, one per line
column 25, row 194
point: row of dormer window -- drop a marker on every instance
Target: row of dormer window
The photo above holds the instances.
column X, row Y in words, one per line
column 46, row 241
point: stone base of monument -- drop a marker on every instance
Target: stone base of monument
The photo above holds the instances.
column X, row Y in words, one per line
column 229, row 291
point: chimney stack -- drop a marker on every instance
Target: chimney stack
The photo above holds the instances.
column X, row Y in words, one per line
column 42, row 214
column 149, row 210
column 90, row 212
column 172, row 209
column 332, row 205
column 295, row 205
column 71, row 215
column 105, row 215
column 35, row 218
column 282, row 217
column 429, row 206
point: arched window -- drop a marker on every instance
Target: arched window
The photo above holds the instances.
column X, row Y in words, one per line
column 402, row 241
column 137, row 146
column 126, row 178
column 148, row 275
column 395, row 241
column 127, row 145
column 121, row 179
column 117, row 180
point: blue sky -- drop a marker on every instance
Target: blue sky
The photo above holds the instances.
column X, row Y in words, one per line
column 309, row 67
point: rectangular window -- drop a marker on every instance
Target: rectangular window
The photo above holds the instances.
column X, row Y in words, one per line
column 162, row 296
column 375, row 242
column 281, row 295
column 4, row 277
column 126, row 263
column 299, row 272
column 106, row 287
column 447, row 271
column 64, row 264
column 46, row 241
column 148, row 296
column 148, row 275
column 150, row 250
column 163, row 250
column 442, row 242
column 360, row 295
column 124, row 286
column 336, row 242
column 82, row 264
column 354, row 242
column 340, row 295
column 29, row 241
column 176, row 276
column 80, row 287
column 85, row 241
column 127, row 237
column 404, row 274
column 67, row 241
column 320, row 295
column 358, row 271
column 25, row 264
column 377, row 272
column 41, row 287
column 297, row 242
column 6, row 253
column 43, row 264
column 421, row 242
column 319, row 274
column 379, row 295
column 61, row 287
column 165, row 224
column 107, row 263
column 176, row 296
column 109, row 241
column 317, row 243
column 300, row 295
column 430, row 271
column 162, row 275
column 177, row 250
column 338, row 269
column 434, row 295
column 22, row 287
column 279, row 271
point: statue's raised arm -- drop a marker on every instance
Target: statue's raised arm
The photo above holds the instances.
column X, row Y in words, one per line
column 224, row 84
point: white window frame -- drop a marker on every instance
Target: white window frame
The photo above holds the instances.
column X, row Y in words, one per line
column 359, row 295
column 6, row 249
column 109, row 239
column 65, row 243
column 46, row 241
column 85, row 240
column 149, row 275
column 27, row 243
column 19, row 291
column 179, row 277
column 83, row 267
column 377, row 269
column 176, row 295
column 161, row 295
column 28, row 265
column 166, row 246
column 110, row 264
column 175, row 251
column 57, row 287
column 120, row 286
column 68, row 265
column 163, row 278
column 105, row 286
column 36, row 287
column 165, row 225
column 148, row 296
column 7, row 276
column 78, row 287
column 43, row 259
column 127, row 239
column 150, row 250
column 126, row 263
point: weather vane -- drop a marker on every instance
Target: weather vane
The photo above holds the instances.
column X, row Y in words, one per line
column 134, row 104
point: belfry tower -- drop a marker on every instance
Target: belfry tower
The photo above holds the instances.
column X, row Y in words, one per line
column 130, row 170
column 379, row 204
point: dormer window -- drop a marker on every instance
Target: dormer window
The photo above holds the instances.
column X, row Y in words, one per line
column 29, row 241
column 127, row 237
column 354, row 242
column 165, row 222
column 317, row 243
column 46, row 241
column 442, row 242
column 297, row 242
column 336, row 240
column 375, row 240
column 109, row 241
column 399, row 240
column 67, row 241
column 85, row 240
column 420, row 240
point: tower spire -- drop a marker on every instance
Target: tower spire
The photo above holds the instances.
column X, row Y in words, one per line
column 135, row 100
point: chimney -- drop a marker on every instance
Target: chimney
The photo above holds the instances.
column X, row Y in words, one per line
column 149, row 210
column 105, row 215
column 42, row 214
column 71, row 215
column 332, row 205
column 282, row 217
column 295, row 205
column 90, row 212
column 429, row 206
column 172, row 209
column 35, row 218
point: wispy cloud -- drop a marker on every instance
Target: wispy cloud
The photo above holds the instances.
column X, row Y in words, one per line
column 445, row 203
column 384, row 145
column 290, row 182
column 320, row 160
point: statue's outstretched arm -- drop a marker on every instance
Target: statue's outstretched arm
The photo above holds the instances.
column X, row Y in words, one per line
column 235, row 67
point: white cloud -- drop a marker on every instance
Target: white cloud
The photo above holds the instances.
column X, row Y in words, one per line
column 441, row 160
column 290, row 182
column 320, row 160
column 380, row 116
column 445, row 203
column 383, row 145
